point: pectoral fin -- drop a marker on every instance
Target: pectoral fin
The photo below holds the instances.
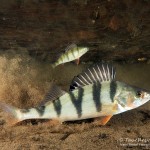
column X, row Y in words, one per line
column 107, row 112
column 130, row 101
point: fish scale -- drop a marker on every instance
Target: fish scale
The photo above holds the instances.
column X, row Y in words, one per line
column 77, row 103
column 93, row 93
column 73, row 52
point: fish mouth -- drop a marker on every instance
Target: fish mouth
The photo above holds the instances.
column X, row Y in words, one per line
column 145, row 98
column 146, row 95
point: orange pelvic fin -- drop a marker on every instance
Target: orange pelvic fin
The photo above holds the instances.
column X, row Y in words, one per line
column 78, row 61
column 103, row 120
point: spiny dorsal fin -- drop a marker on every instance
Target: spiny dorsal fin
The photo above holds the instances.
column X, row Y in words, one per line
column 53, row 93
column 71, row 46
column 97, row 73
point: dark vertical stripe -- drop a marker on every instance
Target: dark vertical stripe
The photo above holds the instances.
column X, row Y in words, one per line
column 72, row 52
column 25, row 110
column 113, row 89
column 67, row 55
column 57, row 106
column 61, row 59
column 77, row 102
column 97, row 95
column 40, row 110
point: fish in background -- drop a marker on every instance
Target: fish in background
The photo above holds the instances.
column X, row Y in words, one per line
column 72, row 52
column 94, row 93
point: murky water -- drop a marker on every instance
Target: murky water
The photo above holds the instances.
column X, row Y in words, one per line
column 40, row 30
column 24, row 80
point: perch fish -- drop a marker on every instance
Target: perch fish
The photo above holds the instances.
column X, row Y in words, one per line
column 94, row 93
column 72, row 52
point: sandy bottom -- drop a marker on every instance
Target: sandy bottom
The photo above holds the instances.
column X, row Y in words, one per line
column 23, row 82
column 121, row 132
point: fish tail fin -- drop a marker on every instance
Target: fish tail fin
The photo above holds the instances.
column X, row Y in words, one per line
column 13, row 114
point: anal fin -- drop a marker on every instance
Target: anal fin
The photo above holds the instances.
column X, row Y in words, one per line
column 103, row 120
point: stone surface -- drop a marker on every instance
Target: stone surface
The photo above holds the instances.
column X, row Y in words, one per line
column 112, row 29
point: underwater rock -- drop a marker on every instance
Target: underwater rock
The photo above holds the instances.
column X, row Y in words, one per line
column 113, row 30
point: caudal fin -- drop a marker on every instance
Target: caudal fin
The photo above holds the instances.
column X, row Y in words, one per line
column 13, row 114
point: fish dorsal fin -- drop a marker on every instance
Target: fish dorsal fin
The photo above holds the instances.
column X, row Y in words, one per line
column 97, row 73
column 53, row 93
column 71, row 46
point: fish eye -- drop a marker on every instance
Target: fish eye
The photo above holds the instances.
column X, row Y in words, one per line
column 139, row 93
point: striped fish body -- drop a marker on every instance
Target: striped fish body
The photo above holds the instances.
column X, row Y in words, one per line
column 107, row 98
column 88, row 102
column 93, row 93
column 72, row 53
column 94, row 100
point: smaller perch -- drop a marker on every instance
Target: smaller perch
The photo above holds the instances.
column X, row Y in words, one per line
column 72, row 52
